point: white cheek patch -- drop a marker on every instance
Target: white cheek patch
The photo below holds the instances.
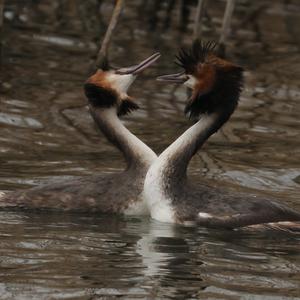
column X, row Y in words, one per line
column 191, row 82
column 121, row 83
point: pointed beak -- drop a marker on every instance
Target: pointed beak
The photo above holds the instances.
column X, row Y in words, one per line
column 134, row 70
column 174, row 78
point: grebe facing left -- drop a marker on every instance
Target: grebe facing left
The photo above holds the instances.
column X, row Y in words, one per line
column 171, row 197
column 106, row 91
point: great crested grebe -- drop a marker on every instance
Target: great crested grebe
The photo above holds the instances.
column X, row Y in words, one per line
column 216, row 85
column 106, row 91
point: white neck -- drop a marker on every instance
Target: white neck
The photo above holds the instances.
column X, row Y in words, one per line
column 169, row 169
column 136, row 153
column 176, row 157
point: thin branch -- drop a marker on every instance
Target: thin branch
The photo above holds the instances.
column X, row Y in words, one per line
column 1, row 26
column 102, row 54
column 1, row 13
column 226, row 21
column 198, row 18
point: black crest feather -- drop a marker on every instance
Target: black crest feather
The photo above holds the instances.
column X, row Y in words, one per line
column 228, row 82
column 100, row 97
column 189, row 58
column 126, row 107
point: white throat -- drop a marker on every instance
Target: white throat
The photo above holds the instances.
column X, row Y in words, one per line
column 140, row 154
column 159, row 204
column 121, row 83
column 145, row 154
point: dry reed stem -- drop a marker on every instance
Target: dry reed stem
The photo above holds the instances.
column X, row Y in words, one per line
column 103, row 52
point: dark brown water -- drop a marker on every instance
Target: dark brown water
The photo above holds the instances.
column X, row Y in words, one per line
column 46, row 133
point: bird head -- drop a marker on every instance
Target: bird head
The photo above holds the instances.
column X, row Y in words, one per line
column 108, row 86
column 215, row 83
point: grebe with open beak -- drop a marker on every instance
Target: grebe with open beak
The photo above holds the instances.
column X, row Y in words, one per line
column 171, row 197
column 106, row 91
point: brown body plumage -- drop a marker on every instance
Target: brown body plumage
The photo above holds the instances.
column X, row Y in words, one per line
column 171, row 196
column 106, row 91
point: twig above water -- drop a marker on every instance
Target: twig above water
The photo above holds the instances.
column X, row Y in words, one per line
column 1, row 25
column 226, row 21
column 103, row 52
column 198, row 18
column 1, row 12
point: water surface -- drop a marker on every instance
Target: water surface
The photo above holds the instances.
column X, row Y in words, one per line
column 46, row 134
